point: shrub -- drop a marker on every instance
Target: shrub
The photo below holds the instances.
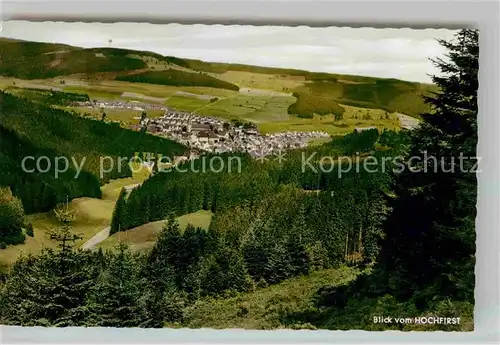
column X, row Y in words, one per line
column 243, row 309
column 11, row 217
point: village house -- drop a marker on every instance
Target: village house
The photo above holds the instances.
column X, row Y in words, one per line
column 210, row 134
column 208, row 137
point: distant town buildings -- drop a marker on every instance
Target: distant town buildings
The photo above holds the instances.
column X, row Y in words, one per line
column 119, row 104
column 211, row 134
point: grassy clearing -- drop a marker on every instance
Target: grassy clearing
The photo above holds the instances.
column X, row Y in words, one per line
column 94, row 94
column 8, row 82
column 318, row 141
column 92, row 215
column 185, row 103
column 114, row 89
column 144, row 236
column 266, row 308
column 274, row 82
column 111, row 190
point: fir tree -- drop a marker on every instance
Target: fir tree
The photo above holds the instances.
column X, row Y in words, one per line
column 50, row 289
column 168, row 260
column 223, row 271
column 119, row 215
column 430, row 237
column 11, row 218
column 115, row 300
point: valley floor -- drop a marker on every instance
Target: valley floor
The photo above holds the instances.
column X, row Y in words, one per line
column 267, row 108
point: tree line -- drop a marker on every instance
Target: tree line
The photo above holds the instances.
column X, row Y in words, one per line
column 29, row 129
column 178, row 78
column 31, row 60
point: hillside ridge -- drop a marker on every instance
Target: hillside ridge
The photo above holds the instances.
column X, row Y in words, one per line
column 195, row 64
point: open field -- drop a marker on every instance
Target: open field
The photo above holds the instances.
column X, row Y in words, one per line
column 318, row 141
column 262, row 97
column 269, row 112
column 263, row 92
column 111, row 190
column 92, row 215
column 144, row 236
column 250, row 108
column 68, row 68
column 353, row 117
column 185, row 103
column 274, row 82
column 132, row 95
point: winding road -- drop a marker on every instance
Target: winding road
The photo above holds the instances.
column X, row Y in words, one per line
column 96, row 239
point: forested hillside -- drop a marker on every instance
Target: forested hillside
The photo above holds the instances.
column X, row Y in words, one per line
column 178, row 78
column 37, row 130
column 33, row 60
column 269, row 226
column 322, row 97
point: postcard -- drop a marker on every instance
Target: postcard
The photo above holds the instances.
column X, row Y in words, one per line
column 237, row 176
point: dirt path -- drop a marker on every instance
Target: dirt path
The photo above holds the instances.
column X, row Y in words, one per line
column 104, row 233
column 263, row 92
column 130, row 187
column 194, row 95
column 96, row 239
